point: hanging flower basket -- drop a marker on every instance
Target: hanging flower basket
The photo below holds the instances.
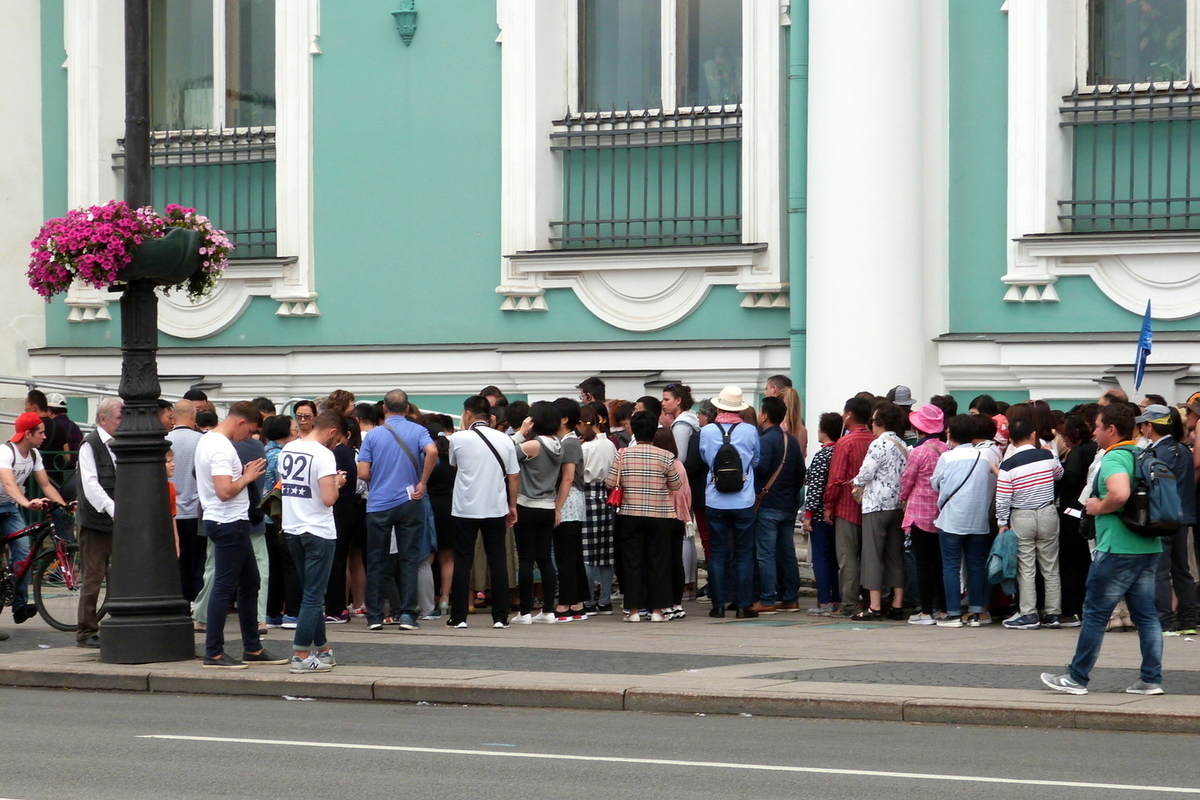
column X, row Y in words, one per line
column 105, row 246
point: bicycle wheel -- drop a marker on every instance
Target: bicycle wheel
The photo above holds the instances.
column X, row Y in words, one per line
column 56, row 585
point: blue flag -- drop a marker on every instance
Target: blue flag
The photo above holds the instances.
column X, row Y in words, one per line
column 1144, row 345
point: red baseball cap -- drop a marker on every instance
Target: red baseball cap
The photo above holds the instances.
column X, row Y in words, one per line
column 25, row 423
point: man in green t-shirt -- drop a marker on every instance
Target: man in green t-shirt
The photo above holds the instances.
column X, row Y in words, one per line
column 1124, row 565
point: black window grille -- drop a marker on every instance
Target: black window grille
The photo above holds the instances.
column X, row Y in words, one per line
column 649, row 178
column 227, row 175
column 1132, row 159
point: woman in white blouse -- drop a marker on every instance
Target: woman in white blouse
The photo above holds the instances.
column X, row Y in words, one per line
column 878, row 481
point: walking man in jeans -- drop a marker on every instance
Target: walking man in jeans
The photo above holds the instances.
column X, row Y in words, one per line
column 310, row 484
column 221, row 480
column 389, row 461
column 1124, row 565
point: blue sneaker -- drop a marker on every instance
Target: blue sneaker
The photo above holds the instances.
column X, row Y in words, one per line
column 274, row 622
column 409, row 623
column 289, row 622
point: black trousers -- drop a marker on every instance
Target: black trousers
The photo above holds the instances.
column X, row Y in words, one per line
column 283, row 582
column 1174, row 576
column 1074, row 563
column 646, row 548
column 465, row 533
column 193, row 549
column 927, row 550
column 350, row 520
column 534, row 533
column 568, row 558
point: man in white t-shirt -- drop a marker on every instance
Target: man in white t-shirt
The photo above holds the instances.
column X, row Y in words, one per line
column 19, row 458
column 485, row 501
column 310, row 481
column 221, row 481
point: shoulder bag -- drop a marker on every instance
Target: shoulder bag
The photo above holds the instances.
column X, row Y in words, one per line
column 766, row 488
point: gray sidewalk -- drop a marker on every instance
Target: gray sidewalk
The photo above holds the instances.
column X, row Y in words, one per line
column 785, row 664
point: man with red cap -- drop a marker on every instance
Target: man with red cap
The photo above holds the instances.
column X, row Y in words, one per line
column 19, row 458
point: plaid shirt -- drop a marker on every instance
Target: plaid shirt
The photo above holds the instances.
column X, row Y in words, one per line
column 647, row 475
column 916, row 491
column 848, row 455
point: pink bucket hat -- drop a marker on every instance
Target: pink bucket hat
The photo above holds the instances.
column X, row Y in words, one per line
column 927, row 419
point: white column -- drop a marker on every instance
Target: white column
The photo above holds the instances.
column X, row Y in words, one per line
column 866, row 297
column 21, row 200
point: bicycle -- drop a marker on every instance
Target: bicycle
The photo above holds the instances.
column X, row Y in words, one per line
column 55, row 577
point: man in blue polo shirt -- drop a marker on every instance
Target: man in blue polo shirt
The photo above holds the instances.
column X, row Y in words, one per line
column 391, row 460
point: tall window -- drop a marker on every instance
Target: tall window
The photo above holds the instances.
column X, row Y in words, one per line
column 212, row 64
column 709, row 52
column 1137, row 42
column 640, row 54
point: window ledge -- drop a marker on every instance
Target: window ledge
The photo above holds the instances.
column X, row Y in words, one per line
column 243, row 280
column 1129, row 267
column 642, row 289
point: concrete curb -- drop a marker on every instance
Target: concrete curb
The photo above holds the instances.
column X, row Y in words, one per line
column 513, row 692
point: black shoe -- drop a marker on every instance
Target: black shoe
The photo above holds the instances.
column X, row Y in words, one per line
column 731, row 607
column 262, row 657
column 606, row 609
column 24, row 612
column 91, row 641
column 223, row 661
column 897, row 613
column 746, row 613
column 717, row 613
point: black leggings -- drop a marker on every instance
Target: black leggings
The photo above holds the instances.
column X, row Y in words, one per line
column 534, row 533
column 927, row 550
column 568, row 557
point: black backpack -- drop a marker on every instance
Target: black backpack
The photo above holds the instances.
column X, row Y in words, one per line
column 727, row 473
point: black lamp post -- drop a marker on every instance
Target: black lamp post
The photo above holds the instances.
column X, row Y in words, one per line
column 148, row 619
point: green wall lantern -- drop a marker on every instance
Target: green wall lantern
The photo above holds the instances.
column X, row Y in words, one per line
column 406, row 20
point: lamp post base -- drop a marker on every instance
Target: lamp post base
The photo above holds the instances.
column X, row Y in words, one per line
column 139, row 638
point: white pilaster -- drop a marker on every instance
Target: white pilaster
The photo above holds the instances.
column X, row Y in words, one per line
column 866, row 302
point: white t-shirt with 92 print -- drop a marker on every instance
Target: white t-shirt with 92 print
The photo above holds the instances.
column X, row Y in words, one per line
column 301, row 466
column 215, row 455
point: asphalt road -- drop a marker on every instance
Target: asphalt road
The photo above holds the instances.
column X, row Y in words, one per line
column 63, row 745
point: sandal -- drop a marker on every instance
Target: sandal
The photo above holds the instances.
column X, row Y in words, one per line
column 868, row 615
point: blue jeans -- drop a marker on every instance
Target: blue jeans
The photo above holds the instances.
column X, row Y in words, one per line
column 1113, row 576
column 776, row 556
column 975, row 546
column 824, row 561
column 314, row 558
column 408, row 521
column 235, row 575
column 11, row 521
column 731, row 530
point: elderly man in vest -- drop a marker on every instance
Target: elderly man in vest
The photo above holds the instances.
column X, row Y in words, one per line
column 98, row 481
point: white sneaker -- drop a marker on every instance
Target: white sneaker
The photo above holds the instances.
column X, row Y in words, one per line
column 300, row 666
column 499, row 625
column 547, row 619
column 522, row 619
column 657, row 617
column 921, row 619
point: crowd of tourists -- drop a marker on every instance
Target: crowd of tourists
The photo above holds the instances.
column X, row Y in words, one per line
column 559, row 511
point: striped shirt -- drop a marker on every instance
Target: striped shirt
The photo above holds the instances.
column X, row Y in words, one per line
column 647, row 475
column 1026, row 481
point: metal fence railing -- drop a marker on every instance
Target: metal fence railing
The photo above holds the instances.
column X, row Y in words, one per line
column 228, row 175
column 1132, row 159
column 649, row 179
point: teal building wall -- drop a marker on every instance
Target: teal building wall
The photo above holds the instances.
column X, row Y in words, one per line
column 407, row 210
